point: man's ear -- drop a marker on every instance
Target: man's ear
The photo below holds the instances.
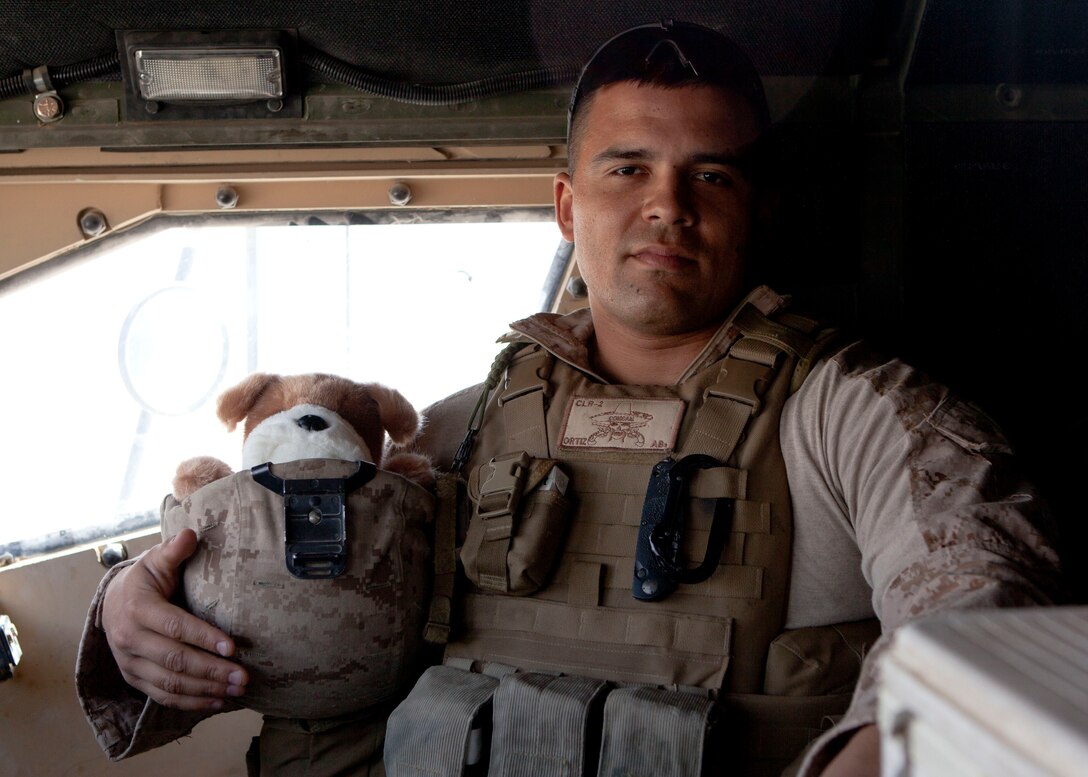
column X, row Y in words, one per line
column 564, row 213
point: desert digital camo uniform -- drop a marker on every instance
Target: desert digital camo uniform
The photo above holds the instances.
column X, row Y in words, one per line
column 314, row 648
column 904, row 503
column 343, row 647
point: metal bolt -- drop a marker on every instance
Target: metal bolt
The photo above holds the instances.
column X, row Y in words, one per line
column 400, row 194
column 576, row 287
column 92, row 222
column 112, row 554
column 152, row 106
column 48, row 107
column 275, row 105
column 315, row 516
column 1008, row 95
column 226, row 197
column 649, row 587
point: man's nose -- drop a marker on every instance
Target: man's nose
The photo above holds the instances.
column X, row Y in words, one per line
column 669, row 200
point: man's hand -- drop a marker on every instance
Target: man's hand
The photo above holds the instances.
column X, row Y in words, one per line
column 162, row 650
column 859, row 757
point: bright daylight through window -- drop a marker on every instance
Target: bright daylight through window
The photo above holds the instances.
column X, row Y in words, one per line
column 114, row 362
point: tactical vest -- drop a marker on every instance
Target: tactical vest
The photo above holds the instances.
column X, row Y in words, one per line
column 578, row 675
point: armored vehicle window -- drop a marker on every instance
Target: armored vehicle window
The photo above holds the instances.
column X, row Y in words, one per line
column 114, row 365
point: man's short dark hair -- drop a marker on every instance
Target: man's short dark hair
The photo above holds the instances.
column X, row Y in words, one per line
column 668, row 54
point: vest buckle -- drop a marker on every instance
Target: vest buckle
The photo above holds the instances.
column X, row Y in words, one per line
column 501, row 487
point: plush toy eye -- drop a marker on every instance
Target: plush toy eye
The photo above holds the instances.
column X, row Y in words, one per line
column 312, row 423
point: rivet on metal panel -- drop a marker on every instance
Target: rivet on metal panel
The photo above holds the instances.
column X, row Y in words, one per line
column 226, row 197
column 10, row 652
column 111, row 554
column 576, row 287
column 1008, row 95
column 400, row 194
column 92, row 222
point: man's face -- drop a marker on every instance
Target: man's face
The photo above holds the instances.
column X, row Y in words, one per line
column 658, row 206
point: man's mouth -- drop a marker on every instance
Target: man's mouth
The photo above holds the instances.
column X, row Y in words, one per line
column 660, row 257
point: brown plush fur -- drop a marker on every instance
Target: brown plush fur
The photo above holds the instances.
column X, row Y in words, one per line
column 196, row 472
column 372, row 409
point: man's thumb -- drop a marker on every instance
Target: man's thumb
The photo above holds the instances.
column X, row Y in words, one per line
column 174, row 551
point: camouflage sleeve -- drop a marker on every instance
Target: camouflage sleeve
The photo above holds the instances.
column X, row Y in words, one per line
column 927, row 485
column 124, row 721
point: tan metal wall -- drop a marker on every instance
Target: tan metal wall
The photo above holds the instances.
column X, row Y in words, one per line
column 43, row 191
column 42, row 729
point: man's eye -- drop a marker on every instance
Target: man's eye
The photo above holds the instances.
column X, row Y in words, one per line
column 712, row 177
column 626, row 170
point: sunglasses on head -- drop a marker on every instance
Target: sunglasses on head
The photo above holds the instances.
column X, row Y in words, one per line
column 674, row 53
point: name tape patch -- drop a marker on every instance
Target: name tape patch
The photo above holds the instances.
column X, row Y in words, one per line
column 621, row 424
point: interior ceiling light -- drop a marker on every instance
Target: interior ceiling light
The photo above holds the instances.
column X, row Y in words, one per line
column 208, row 75
column 173, row 75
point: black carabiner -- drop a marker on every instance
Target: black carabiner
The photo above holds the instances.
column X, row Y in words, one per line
column 657, row 555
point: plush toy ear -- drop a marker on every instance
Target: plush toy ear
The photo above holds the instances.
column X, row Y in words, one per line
column 397, row 415
column 196, row 473
column 235, row 403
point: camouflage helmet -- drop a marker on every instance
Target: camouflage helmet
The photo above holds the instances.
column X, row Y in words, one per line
column 324, row 646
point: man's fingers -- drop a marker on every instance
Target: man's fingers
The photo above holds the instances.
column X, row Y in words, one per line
column 169, row 637
column 182, row 677
column 178, row 625
column 139, row 598
column 180, row 659
column 178, row 692
column 163, row 651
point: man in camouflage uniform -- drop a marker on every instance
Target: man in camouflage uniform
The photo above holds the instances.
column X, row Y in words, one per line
column 904, row 499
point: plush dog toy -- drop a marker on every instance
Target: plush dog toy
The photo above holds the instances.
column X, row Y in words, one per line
column 314, row 646
column 312, row 416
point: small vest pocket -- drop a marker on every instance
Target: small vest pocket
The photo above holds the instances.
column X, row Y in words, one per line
column 518, row 524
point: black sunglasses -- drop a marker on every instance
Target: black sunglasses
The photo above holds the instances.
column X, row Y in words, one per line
column 677, row 52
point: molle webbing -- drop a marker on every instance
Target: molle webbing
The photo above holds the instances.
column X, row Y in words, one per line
column 584, row 621
column 737, row 395
column 437, row 630
column 522, row 401
column 733, row 399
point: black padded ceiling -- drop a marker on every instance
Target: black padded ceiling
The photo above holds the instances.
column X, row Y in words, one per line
column 1013, row 41
column 449, row 41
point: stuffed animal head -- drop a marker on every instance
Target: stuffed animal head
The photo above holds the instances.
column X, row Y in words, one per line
column 312, row 416
column 315, row 416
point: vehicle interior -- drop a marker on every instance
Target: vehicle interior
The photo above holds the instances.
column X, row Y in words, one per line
column 389, row 187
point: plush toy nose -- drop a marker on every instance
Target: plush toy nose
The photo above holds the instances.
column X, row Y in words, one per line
column 312, row 423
